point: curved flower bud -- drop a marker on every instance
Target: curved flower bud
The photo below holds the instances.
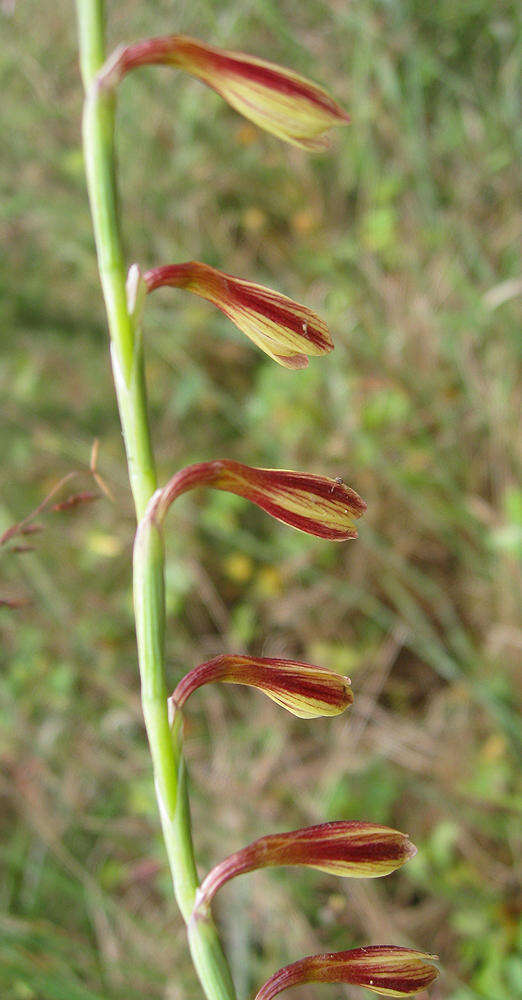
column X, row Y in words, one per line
column 314, row 504
column 384, row 969
column 304, row 690
column 274, row 98
column 356, row 850
column 282, row 328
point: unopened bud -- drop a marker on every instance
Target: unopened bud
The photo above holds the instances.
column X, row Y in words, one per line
column 384, row 969
column 284, row 329
column 304, row 690
column 348, row 849
column 276, row 99
column 314, row 504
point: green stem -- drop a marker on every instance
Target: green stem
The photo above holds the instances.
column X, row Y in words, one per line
column 127, row 359
column 149, row 587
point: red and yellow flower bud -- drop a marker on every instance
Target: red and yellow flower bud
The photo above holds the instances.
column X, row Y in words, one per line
column 274, row 98
column 285, row 330
column 314, row 504
column 351, row 850
column 304, row 690
column 384, row 969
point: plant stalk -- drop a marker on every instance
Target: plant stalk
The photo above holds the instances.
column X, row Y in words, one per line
column 149, row 585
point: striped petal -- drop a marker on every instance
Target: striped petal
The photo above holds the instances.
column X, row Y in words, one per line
column 384, row 969
column 304, row 690
column 285, row 330
column 357, row 850
column 314, row 504
column 274, row 98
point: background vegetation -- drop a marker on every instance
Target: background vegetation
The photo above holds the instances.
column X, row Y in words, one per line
column 405, row 238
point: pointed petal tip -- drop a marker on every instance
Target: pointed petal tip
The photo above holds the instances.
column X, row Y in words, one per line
column 410, row 852
column 296, row 362
column 318, row 144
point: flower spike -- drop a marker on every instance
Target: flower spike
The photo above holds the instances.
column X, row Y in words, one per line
column 304, row 690
column 384, row 969
column 285, row 330
column 348, row 849
column 274, row 98
column 314, row 504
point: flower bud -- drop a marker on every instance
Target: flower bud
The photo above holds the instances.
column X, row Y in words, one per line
column 384, row 969
column 274, row 98
column 285, row 330
column 304, row 690
column 314, row 504
column 348, row 849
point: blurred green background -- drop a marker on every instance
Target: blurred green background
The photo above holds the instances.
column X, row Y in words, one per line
column 404, row 236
